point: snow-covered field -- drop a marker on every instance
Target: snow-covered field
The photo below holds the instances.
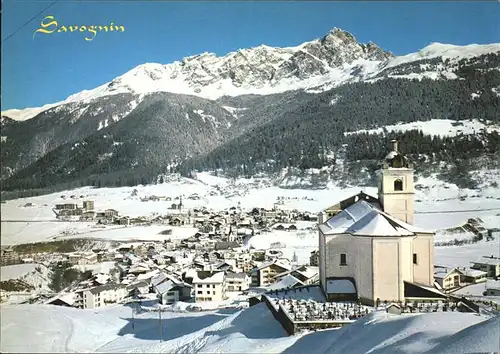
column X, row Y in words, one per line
column 45, row 328
column 438, row 205
column 436, row 127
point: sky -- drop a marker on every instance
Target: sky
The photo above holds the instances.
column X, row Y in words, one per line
column 46, row 68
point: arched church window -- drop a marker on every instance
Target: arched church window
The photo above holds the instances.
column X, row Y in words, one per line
column 398, row 185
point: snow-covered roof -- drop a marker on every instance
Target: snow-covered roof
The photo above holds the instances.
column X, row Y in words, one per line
column 363, row 219
column 472, row 272
column 286, row 282
column 489, row 261
column 164, row 287
column 216, row 278
column 278, row 262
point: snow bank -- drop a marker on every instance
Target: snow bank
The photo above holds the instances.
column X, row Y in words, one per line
column 435, row 127
column 483, row 337
column 45, row 328
column 384, row 333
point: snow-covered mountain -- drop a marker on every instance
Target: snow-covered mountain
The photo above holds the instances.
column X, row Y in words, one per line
column 250, row 106
column 335, row 59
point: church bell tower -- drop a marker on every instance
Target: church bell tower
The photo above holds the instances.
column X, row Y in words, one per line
column 395, row 191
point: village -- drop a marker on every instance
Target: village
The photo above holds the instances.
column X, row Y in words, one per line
column 212, row 264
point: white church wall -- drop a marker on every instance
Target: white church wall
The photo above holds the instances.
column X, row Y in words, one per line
column 364, row 267
column 335, row 246
column 387, row 284
column 423, row 271
column 406, row 251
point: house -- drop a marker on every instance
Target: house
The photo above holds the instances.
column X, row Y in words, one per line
column 492, row 288
column 171, row 291
column 83, row 259
column 237, row 282
column 472, row 275
column 448, row 278
column 306, row 275
column 100, row 296
column 490, row 265
column 138, row 288
column 374, row 245
column 110, row 213
column 285, row 282
column 209, row 286
column 124, row 220
column 265, row 273
column 88, row 205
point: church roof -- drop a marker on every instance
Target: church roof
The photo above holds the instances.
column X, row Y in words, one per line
column 363, row 219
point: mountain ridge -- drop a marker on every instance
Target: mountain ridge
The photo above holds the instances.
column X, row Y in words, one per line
column 263, row 69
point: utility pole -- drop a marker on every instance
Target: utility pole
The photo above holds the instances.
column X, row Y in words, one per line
column 159, row 323
column 133, row 323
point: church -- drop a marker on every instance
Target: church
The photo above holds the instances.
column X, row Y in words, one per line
column 370, row 243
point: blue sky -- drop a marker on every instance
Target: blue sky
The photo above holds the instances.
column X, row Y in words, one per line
column 51, row 67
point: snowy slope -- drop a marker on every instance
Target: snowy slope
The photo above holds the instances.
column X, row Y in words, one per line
column 39, row 328
column 436, row 127
column 483, row 337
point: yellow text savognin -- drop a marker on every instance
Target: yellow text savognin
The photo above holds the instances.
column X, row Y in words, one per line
column 49, row 25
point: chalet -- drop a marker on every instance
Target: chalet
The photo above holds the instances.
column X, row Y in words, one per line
column 138, row 268
column 306, row 275
column 472, row 275
column 265, row 273
column 171, row 291
column 140, row 287
column 448, row 278
column 490, row 265
column 209, row 286
column 237, row 282
column 86, row 258
column 124, row 220
column 110, row 213
column 101, row 295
